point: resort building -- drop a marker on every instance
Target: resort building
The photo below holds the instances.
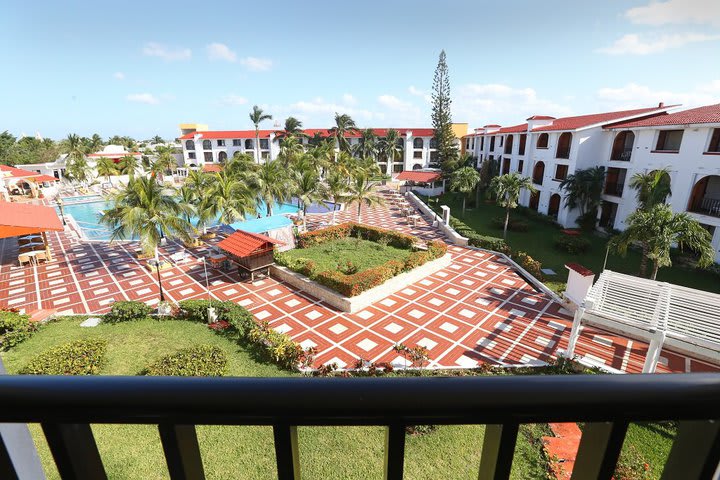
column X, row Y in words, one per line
column 548, row 149
column 201, row 146
column 57, row 168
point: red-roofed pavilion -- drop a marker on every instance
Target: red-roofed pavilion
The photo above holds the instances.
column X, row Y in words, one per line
column 251, row 251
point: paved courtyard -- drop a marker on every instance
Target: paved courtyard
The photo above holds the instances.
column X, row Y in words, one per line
column 477, row 310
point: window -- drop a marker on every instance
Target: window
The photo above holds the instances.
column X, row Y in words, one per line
column 208, row 157
column 418, row 143
column 615, row 181
column 222, row 157
column 538, row 173
column 265, row 155
column 500, row 137
column 561, row 172
column 207, row 145
column 506, row 166
column 622, row 146
column 509, row 145
column 237, row 143
column 542, row 141
column 563, row 148
column 467, row 144
column 264, row 144
column 418, row 154
column 482, row 143
column 521, row 164
column 492, row 143
column 397, row 167
column 248, row 144
column 433, row 143
column 714, row 141
column 191, row 155
column 669, row 141
column 521, row 147
column 221, row 143
column 189, row 145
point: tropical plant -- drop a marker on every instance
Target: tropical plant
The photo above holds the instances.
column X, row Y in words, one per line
column 129, row 165
column 229, row 198
column 164, row 161
column 390, row 148
column 660, row 229
column 507, row 192
column 336, row 186
column 106, row 167
column 308, row 189
column 77, row 167
column 290, row 151
column 187, row 196
column 293, row 128
column 256, row 116
column 368, row 146
column 157, row 139
column 464, row 180
column 583, row 190
column 344, row 125
column 271, row 183
column 441, row 116
column 651, row 188
column 95, row 143
column 148, row 211
column 360, row 190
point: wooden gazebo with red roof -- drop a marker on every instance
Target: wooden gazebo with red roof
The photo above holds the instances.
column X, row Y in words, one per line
column 251, row 251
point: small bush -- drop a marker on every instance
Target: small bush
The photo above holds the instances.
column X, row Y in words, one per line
column 14, row 328
column 350, row 229
column 532, row 266
column 81, row 357
column 490, row 243
column 280, row 347
column 572, row 244
column 513, row 224
column 126, row 311
column 197, row 361
column 238, row 317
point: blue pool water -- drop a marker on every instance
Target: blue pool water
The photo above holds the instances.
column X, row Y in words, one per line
column 261, row 225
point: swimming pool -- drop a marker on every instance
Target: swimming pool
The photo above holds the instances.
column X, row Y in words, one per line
column 262, row 225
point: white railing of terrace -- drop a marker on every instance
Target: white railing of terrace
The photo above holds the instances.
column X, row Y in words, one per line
column 682, row 318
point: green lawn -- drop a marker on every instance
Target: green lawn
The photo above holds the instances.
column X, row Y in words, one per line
column 363, row 254
column 134, row 451
column 538, row 242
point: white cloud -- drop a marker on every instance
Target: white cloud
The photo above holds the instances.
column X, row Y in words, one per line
column 255, row 64
column 349, row 99
column 634, row 44
column 393, row 103
column 321, row 112
column 147, row 98
column 220, row 51
column 633, row 95
column 119, row 76
column 169, row 54
column 676, row 12
column 233, row 100
column 415, row 91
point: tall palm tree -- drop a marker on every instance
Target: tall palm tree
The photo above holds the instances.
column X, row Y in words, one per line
column 76, row 163
column 368, row 146
column 293, row 128
column 148, row 211
column 344, row 125
column 164, row 161
column 361, row 190
column 308, row 189
column 128, row 165
column 256, row 116
column 390, row 148
column 651, row 188
column 157, row 139
column 187, row 195
column 336, row 186
column 507, row 191
column 95, row 143
column 271, row 183
column 290, row 150
column 231, row 199
column 583, row 190
column 464, row 180
column 660, row 228
column 241, row 165
column 106, row 167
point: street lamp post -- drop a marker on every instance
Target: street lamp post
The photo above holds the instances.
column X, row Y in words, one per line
column 60, row 206
column 157, row 267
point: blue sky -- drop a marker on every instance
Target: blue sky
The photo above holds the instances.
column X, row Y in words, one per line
column 141, row 68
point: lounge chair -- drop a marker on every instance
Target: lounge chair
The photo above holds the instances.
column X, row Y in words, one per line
column 180, row 257
column 23, row 259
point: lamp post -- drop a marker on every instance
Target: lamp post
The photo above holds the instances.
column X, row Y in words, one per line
column 60, row 206
column 157, row 267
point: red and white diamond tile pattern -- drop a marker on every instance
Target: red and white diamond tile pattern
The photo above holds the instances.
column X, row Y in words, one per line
column 477, row 310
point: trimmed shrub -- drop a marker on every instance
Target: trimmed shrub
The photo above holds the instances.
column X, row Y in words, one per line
column 350, row 229
column 238, row 317
column 197, row 361
column 126, row 311
column 490, row 243
column 279, row 347
column 535, row 215
column 317, row 237
column 15, row 327
column 81, row 357
column 514, row 225
column 572, row 244
column 532, row 266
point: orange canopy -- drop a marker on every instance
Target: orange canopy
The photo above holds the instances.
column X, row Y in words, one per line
column 419, row 177
column 18, row 219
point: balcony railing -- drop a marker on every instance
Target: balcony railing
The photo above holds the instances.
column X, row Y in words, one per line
column 623, row 156
column 66, row 406
column 708, row 206
column 614, row 189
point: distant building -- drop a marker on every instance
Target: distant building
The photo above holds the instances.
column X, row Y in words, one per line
column 57, row 168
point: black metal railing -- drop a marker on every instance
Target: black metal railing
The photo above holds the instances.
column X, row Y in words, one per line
column 66, row 406
column 707, row 206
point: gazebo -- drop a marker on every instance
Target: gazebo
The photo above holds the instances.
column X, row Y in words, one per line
column 30, row 223
column 425, row 182
column 252, row 252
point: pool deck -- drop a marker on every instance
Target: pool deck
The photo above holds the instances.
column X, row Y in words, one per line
column 477, row 310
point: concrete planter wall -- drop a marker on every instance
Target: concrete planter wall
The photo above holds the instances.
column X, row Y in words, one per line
column 368, row 297
column 447, row 230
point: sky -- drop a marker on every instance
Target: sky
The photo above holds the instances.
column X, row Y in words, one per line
column 142, row 68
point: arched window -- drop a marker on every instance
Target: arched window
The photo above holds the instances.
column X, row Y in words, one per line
column 554, row 206
column 222, row 157
column 248, row 144
column 705, row 196
column 563, row 148
column 534, row 201
column 417, row 166
column 433, row 143
column 190, row 145
column 401, row 142
column 538, row 173
column 542, row 141
column 207, row 145
column 418, row 143
column 622, row 146
column 509, row 145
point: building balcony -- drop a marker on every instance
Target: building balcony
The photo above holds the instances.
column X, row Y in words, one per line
column 706, row 206
column 606, row 404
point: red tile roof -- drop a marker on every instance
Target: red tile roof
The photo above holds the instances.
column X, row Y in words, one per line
column 706, row 114
column 243, row 244
column 16, row 172
column 45, row 178
column 18, row 219
column 417, row 176
column 114, row 154
column 212, row 167
column 492, row 125
column 514, row 129
column 581, row 121
column 226, row 134
column 541, row 117
column 585, row 272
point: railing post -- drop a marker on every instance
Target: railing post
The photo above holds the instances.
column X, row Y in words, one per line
column 498, row 451
column 599, row 450
column 74, row 449
column 394, row 452
column 287, row 453
column 695, row 452
column 575, row 331
column 182, row 452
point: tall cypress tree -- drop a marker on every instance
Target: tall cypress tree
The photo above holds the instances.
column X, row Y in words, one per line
column 441, row 118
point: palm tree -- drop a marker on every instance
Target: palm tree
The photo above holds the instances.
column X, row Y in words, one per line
column 507, row 191
column 290, row 150
column 344, row 125
column 257, row 116
column 308, row 189
column 128, row 165
column 271, row 184
column 651, row 188
column 584, row 191
column 95, row 143
column 241, row 165
column 360, row 190
column 390, row 148
column 231, row 199
column 106, row 167
column 336, row 186
column 660, row 228
column 464, row 180
column 148, row 211
column 164, row 161
column 76, row 163
column 368, row 146
column 293, row 128
column 187, row 195
column 157, row 139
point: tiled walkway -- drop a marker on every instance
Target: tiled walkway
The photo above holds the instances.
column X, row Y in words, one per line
column 478, row 310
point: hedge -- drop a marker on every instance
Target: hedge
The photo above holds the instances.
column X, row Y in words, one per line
column 481, row 241
column 15, row 327
column 572, row 244
column 514, row 225
column 350, row 229
column 196, row 311
column 81, row 357
column 196, row 361
column 126, row 311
